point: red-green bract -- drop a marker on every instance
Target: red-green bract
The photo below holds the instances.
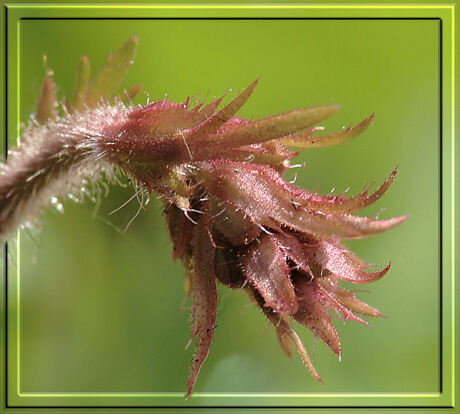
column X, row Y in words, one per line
column 231, row 215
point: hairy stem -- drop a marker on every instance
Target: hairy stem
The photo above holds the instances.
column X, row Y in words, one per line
column 51, row 161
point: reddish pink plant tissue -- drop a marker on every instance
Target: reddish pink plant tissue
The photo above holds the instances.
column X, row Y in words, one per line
column 231, row 215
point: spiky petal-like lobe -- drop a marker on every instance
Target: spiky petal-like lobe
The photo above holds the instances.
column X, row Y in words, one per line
column 286, row 334
column 262, row 194
column 264, row 266
column 47, row 104
column 204, row 299
column 313, row 313
column 307, row 140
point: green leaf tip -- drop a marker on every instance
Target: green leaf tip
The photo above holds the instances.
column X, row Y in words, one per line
column 339, row 137
column 112, row 73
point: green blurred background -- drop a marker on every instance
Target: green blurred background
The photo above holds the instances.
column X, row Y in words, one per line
column 100, row 306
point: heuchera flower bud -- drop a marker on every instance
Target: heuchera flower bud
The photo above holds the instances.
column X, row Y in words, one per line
column 231, row 215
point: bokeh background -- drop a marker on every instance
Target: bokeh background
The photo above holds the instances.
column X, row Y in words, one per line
column 100, row 306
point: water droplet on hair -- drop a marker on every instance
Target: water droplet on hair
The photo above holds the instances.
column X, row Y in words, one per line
column 57, row 205
column 72, row 197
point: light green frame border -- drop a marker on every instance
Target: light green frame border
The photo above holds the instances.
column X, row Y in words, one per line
column 444, row 399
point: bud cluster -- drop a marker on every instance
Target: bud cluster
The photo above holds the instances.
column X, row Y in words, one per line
column 231, row 215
